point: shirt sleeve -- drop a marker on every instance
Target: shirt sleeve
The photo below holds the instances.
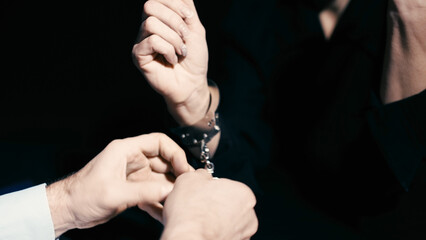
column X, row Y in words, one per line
column 25, row 215
column 399, row 129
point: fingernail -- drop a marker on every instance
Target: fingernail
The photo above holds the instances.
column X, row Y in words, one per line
column 184, row 50
column 186, row 12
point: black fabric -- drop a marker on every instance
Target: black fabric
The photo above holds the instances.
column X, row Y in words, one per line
column 304, row 111
column 68, row 88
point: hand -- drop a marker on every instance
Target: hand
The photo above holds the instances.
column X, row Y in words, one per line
column 129, row 172
column 405, row 59
column 171, row 52
column 200, row 207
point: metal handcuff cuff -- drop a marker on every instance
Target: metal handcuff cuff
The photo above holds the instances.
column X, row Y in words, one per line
column 199, row 134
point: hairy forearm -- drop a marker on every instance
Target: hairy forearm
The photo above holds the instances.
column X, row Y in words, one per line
column 405, row 59
column 57, row 195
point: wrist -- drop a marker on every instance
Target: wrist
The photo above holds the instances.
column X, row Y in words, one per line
column 202, row 137
column 60, row 207
column 193, row 108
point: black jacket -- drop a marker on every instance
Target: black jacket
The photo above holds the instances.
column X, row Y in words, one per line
column 302, row 123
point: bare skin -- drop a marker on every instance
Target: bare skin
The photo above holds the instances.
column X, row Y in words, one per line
column 404, row 72
column 230, row 206
column 331, row 15
column 129, row 172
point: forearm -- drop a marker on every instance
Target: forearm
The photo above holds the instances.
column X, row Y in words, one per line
column 405, row 59
column 59, row 206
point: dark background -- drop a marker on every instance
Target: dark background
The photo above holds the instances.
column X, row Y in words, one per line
column 69, row 87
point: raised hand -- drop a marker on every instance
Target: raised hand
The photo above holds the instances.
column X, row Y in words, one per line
column 172, row 54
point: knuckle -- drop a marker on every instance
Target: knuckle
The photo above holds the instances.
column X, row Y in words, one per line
column 182, row 29
column 255, row 226
column 180, row 151
column 136, row 50
column 170, row 49
column 158, row 135
column 247, row 195
column 148, row 7
column 202, row 30
column 177, row 40
column 175, row 21
column 184, row 177
column 152, row 40
column 171, row 18
column 201, row 171
column 195, row 177
column 160, row 138
column 115, row 143
column 149, row 24
column 252, row 199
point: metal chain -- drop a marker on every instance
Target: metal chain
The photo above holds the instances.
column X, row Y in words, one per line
column 205, row 157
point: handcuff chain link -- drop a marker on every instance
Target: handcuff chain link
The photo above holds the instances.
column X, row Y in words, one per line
column 205, row 157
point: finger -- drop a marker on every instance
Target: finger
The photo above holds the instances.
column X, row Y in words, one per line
column 170, row 151
column 192, row 19
column 184, row 8
column 191, row 169
column 153, row 26
column 166, row 15
column 145, row 192
column 160, row 145
column 142, row 174
column 202, row 173
column 196, row 176
column 146, row 50
column 136, row 163
column 163, row 166
column 160, row 165
column 155, row 210
column 176, row 156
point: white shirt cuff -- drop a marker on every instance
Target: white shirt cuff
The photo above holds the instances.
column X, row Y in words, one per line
column 26, row 215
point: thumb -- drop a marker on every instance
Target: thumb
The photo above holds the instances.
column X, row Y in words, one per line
column 155, row 210
column 134, row 193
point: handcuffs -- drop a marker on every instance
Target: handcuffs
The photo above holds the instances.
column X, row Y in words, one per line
column 198, row 135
